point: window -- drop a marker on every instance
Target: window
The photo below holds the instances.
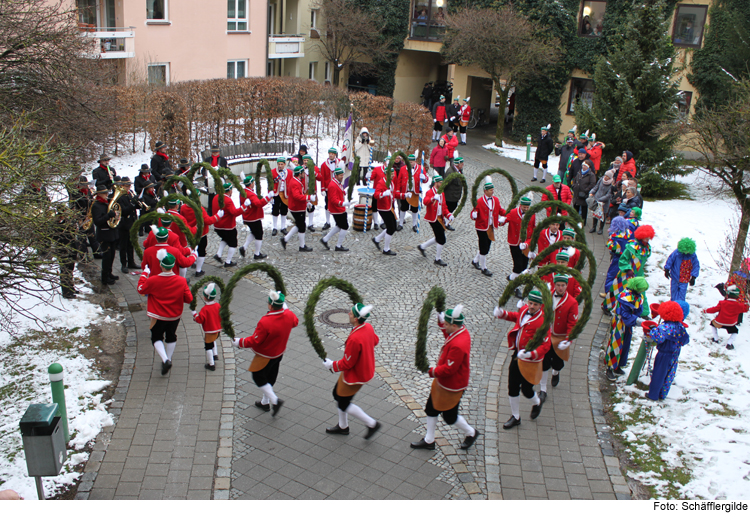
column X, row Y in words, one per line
column 428, row 19
column 236, row 69
column 591, row 18
column 683, row 103
column 328, row 72
column 86, row 13
column 269, row 69
column 581, row 92
column 311, row 70
column 313, row 18
column 158, row 74
column 688, row 25
column 236, row 15
column 156, row 9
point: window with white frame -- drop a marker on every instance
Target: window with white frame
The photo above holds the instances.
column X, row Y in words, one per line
column 156, row 10
column 236, row 69
column 328, row 72
column 313, row 18
column 311, row 70
column 237, row 18
column 158, row 74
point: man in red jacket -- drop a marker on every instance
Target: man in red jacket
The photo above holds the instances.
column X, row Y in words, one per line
column 269, row 344
column 210, row 321
column 451, row 142
column 451, row 378
column 183, row 256
column 436, row 212
column 560, row 192
column 439, row 116
column 727, row 312
column 528, row 320
column 172, row 239
column 166, row 293
column 566, row 317
column 298, row 200
column 357, row 367
column 279, row 208
column 226, row 226
column 518, row 242
column 337, row 203
column 547, row 237
column 325, row 176
column 252, row 216
column 187, row 212
column 488, row 215
column 385, row 196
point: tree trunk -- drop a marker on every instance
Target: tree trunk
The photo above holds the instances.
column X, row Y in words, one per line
column 739, row 244
column 500, row 130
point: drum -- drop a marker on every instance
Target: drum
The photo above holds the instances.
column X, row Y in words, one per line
column 358, row 218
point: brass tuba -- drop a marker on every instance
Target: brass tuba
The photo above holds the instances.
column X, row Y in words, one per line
column 114, row 206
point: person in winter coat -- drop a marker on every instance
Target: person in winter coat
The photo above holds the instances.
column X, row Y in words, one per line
column 560, row 192
column 632, row 198
column 628, row 165
column 363, row 146
column 576, row 165
column 601, row 193
column 544, row 147
column 104, row 174
column 160, row 163
column 616, row 199
column 670, row 336
column 581, row 186
column 439, row 117
column 566, row 153
column 451, row 142
column 595, row 151
column 438, row 157
column 454, row 113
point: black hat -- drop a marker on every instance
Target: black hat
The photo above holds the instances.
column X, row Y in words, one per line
column 116, row 178
column 184, row 163
column 167, row 172
column 215, row 148
column 149, row 185
column 125, row 181
column 159, row 144
column 104, row 157
column 303, row 147
column 102, row 189
column 83, row 180
column 144, row 168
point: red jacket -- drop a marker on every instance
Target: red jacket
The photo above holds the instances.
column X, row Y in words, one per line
column 175, row 228
column 255, row 211
column 173, row 241
column 573, row 289
column 596, row 155
column 187, row 212
column 728, row 310
column 358, row 363
column 296, row 195
column 386, row 202
column 167, row 293
column 433, row 206
column 437, row 156
column 453, row 366
column 465, row 113
column 419, row 177
column 228, row 221
column 451, row 144
column 627, row 166
column 280, row 180
column 209, row 318
column 546, row 239
column 271, row 334
column 440, row 113
column 326, row 172
column 336, row 197
column 514, row 219
column 377, row 174
column 566, row 195
column 482, row 222
column 521, row 334
column 149, row 257
column 401, row 179
column 566, row 315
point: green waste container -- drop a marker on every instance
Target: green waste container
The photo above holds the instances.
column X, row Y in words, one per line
column 43, row 440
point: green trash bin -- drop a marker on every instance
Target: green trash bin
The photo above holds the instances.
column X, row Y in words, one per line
column 43, row 440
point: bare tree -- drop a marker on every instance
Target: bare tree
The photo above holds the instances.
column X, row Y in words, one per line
column 350, row 37
column 502, row 42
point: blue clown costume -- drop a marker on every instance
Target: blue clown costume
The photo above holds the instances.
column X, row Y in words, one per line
column 682, row 268
column 670, row 336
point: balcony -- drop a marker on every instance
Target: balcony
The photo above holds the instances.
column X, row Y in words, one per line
column 286, row 46
column 113, row 43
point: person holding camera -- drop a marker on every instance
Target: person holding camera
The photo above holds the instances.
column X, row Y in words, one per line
column 363, row 146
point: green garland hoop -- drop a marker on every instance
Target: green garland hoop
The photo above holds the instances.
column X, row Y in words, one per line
column 435, row 300
column 556, row 219
column 456, row 176
column 353, row 177
column 581, row 246
column 180, row 178
column 572, row 215
column 482, row 175
column 312, row 182
column 153, row 217
column 526, row 190
column 263, row 164
column 549, row 313
column 198, row 285
column 228, row 292
column 193, row 239
column 312, row 302
column 584, row 296
column 234, row 179
column 389, row 169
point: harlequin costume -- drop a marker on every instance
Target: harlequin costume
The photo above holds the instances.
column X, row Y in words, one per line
column 630, row 307
column 210, row 322
column 566, row 317
column 670, row 336
column 279, row 175
column 682, row 267
column 298, row 198
column 451, row 378
column 226, row 226
column 728, row 312
column 436, row 211
column 632, row 263
column 269, row 344
column 488, row 215
column 356, row 368
column 518, row 242
column 531, row 361
column 619, row 236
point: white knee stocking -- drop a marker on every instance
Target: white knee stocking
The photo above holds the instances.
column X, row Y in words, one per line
column 464, row 427
column 414, row 219
column 230, row 254
column 401, row 217
column 732, row 337
column 425, row 245
column 258, row 244
column 222, row 246
column 483, row 261
column 438, row 251
column 275, row 221
column 342, row 236
column 283, row 222
column 343, row 419
column 515, row 406
column 183, row 272
column 291, row 233
column 170, row 349
column 268, row 393
column 387, row 245
column 210, row 356
column 535, row 400
column 429, row 436
column 159, row 347
column 536, row 172
column 359, row 414
column 301, row 237
column 380, row 237
column 331, row 233
column 543, row 383
column 328, row 216
column 310, row 217
column 476, row 258
column 715, row 332
column 250, row 238
column 199, row 263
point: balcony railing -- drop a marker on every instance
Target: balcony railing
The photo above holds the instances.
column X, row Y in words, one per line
column 423, row 29
column 286, row 46
column 113, row 43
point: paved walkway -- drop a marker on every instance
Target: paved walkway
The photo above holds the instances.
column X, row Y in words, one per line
column 195, row 434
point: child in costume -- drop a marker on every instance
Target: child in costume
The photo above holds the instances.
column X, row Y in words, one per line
column 727, row 312
column 682, row 268
column 210, row 321
column 670, row 336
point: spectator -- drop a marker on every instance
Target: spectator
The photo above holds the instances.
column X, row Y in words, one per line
column 628, row 165
column 451, row 142
column 601, row 194
column 565, row 152
column 595, row 151
column 439, row 117
column 632, row 197
column 581, row 187
column 439, row 156
column 363, row 146
column 576, row 165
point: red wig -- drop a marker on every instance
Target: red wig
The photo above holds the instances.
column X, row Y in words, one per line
column 671, row 311
column 644, row 232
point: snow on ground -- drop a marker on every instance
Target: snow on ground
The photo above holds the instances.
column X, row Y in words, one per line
column 24, row 359
column 702, row 424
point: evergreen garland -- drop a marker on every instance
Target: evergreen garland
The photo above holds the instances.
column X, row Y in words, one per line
column 193, row 239
column 532, row 188
column 556, row 219
column 452, row 177
column 190, row 174
column 312, row 302
column 195, row 288
column 389, row 169
column 187, row 182
column 585, row 294
column 152, row 217
column 478, row 181
column 549, row 312
column 312, row 186
column 227, row 293
column 435, row 300
column 581, row 246
column 573, row 217
column 353, row 178
column 263, row 164
column 232, row 177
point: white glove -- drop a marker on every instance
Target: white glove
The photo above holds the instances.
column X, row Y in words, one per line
column 532, row 255
column 519, row 304
column 323, row 193
column 327, row 364
column 522, row 354
column 246, row 203
column 564, row 345
column 473, row 215
column 146, row 270
column 501, row 219
column 435, row 197
column 639, row 321
column 161, row 210
column 386, row 193
column 310, row 197
column 450, row 220
column 452, row 118
column 220, row 214
column 526, row 271
column 408, row 195
column 194, row 313
column 271, row 194
column 441, row 317
column 498, row 312
column 435, row 120
column 522, row 246
column 236, row 342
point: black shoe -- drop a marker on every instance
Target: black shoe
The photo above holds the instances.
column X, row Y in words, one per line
column 469, row 440
column 376, row 227
column 542, row 396
column 372, row 430
column 216, row 358
column 601, row 231
column 114, row 277
column 619, row 372
column 730, row 347
column 242, row 251
column 518, row 292
column 283, row 231
column 259, row 256
column 513, row 422
column 230, row 264
column 377, row 244
column 399, row 228
column 326, row 226
column 124, row 270
column 337, row 430
column 200, row 273
column 108, row 281
column 508, row 277
column 604, row 309
column 165, row 367
column 476, row 265
column 555, row 379
column 340, row 248
column 419, row 247
column 487, row 272
column 212, row 368
column 283, row 242
column 311, row 229
column 133, row 266
column 217, row 258
column 325, row 244
column 274, row 232
column 533, row 179
column 451, row 228
column 610, row 375
column 592, row 230
column 536, row 409
column 543, row 180
column 390, row 253
column 414, row 228
column 439, row 262
column 305, row 249
column 265, row 407
column 423, row 445
column 277, row 408
column 715, row 340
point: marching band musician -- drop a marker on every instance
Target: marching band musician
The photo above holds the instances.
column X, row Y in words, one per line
column 105, row 235
column 129, row 208
column 104, row 174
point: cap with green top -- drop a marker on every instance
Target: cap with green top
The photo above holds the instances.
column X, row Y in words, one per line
column 559, row 277
column 455, row 316
column 166, row 259
column 276, row 299
column 209, row 292
column 568, row 232
column 525, row 201
column 536, row 296
column 361, row 311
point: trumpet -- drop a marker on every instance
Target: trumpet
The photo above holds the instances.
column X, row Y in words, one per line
column 114, row 206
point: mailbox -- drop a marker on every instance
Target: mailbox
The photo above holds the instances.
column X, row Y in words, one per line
column 43, row 440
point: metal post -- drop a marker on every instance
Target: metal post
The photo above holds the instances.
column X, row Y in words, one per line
column 528, row 147
column 55, row 371
column 39, row 488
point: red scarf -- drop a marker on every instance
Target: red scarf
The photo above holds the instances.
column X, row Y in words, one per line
column 160, row 153
column 102, row 199
column 214, row 161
